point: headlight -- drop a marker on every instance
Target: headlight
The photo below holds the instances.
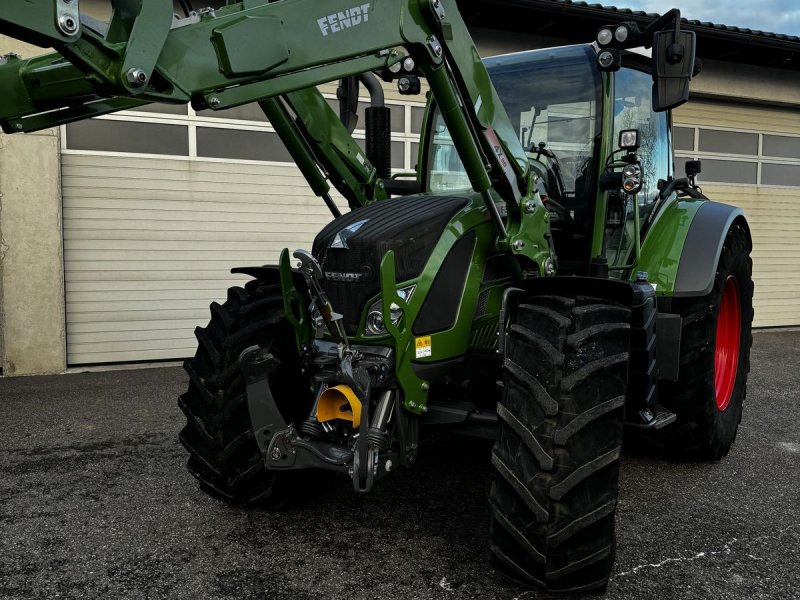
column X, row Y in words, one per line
column 375, row 324
column 632, row 178
column 604, row 36
column 629, row 139
column 606, row 59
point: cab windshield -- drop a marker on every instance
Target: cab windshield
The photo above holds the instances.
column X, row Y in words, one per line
column 553, row 99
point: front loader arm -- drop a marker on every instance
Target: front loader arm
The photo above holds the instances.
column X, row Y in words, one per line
column 253, row 50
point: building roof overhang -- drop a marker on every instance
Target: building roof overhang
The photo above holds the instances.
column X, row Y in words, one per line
column 576, row 21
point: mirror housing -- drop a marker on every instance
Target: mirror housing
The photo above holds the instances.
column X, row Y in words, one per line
column 693, row 168
column 673, row 67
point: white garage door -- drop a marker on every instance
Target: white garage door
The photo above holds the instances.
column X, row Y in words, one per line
column 751, row 159
column 158, row 207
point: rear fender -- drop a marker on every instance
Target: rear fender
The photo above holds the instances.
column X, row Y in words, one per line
column 703, row 247
column 682, row 248
column 680, row 255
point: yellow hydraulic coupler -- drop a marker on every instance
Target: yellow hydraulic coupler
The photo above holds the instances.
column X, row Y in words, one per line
column 339, row 402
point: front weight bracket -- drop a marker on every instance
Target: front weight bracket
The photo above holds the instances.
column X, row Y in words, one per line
column 256, row 364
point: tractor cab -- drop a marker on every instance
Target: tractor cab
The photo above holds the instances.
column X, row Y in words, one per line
column 568, row 116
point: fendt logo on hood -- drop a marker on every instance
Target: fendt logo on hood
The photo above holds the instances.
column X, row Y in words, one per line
column 339, row 21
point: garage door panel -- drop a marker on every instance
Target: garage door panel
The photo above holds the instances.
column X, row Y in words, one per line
column 146, row 252
column 122, row 328
column 198, row 315
column 219, row 268
column 179, row 250
column 122, row 288
column 173, row 185
column 772, row 211
column 124, row 237
column 102, row 223
column 131, row 335
column 195, row 257
column 152, row 343
column 200, row 172
column 280, row 194
column 202, row 210
column 88, row 357
column 734, row 116
column 137, row 295
column 167, row 214
column 95, row 163
column 133, row 276
column 154, row 306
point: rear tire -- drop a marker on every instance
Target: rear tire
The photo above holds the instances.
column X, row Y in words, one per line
column 710, row 391
column 556, row 462
column 223, row 453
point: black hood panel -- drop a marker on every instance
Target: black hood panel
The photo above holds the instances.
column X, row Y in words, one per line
column 350, row 248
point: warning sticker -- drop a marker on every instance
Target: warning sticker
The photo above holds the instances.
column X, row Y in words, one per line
column 423, row 346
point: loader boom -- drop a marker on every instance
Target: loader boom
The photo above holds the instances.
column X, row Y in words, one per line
column 255, row 51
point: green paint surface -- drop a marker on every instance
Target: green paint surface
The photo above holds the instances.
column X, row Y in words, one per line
column 663, row 245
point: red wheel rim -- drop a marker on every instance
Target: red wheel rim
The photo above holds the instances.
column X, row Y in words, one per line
column 726, row 357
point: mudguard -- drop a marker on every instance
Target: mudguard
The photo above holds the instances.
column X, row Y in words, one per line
column 682, row 248
column 703, row 247
column 680, row 255
column 271, row 274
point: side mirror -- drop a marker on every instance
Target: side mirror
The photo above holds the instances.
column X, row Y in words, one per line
column 693, row 169
column 673, row 67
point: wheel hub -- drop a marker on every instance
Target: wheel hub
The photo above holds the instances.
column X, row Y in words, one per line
column 726, row 357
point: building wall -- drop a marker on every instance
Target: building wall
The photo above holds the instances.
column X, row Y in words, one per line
column 751, row 159
column 32, row 325
column 32, row 293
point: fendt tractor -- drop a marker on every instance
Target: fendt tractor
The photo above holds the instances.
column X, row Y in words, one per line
column 544, row 280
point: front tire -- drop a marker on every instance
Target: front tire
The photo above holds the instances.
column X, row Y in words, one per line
column 556, row 462
column 223, row 453
column 715, row 358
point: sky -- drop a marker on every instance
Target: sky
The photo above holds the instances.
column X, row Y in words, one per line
column 777, row 16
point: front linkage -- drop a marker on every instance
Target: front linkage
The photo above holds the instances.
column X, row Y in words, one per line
column 349, row 428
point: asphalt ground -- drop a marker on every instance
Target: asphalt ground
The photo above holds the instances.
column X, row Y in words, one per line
column 95, row 502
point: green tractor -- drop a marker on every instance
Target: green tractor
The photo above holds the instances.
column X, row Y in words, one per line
column 545, row 279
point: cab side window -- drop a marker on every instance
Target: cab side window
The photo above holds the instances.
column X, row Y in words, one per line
column 633, row 110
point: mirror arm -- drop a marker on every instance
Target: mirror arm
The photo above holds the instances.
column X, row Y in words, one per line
column 659, row 24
